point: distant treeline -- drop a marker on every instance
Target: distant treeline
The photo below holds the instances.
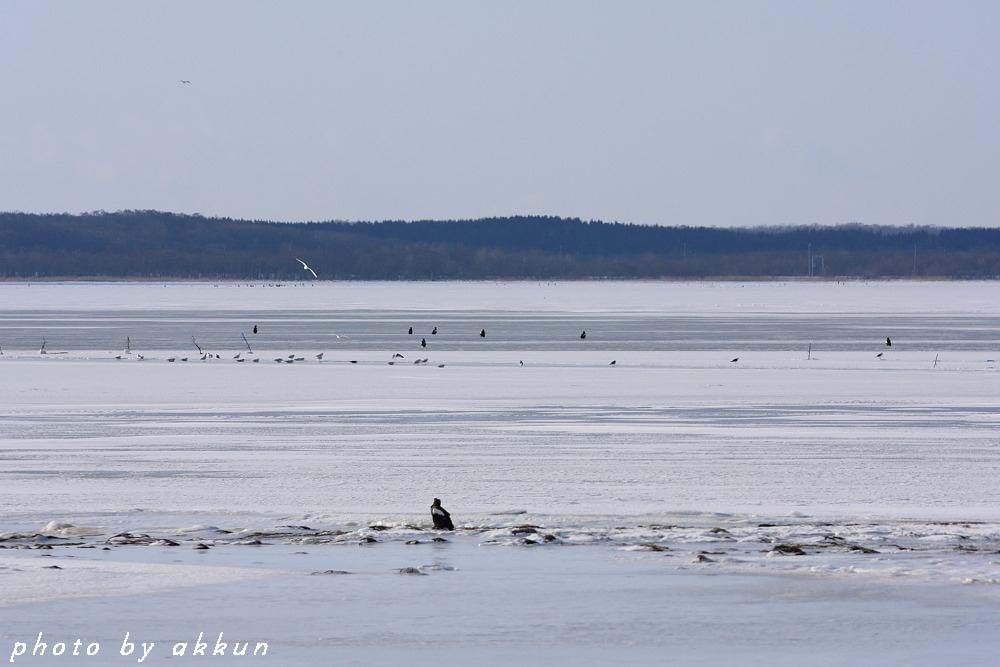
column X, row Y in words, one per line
column 153, row 244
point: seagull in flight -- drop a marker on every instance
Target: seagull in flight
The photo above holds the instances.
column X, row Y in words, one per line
column 306, row 267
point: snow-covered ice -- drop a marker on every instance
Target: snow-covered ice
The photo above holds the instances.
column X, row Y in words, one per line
column 804, row 508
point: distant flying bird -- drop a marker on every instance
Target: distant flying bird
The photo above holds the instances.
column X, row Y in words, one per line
column 583, row 335
column 482, row 334
column 888, row 342
column 398, row 355
column 306, row 267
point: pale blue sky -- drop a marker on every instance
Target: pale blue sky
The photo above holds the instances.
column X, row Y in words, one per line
column 716, row 113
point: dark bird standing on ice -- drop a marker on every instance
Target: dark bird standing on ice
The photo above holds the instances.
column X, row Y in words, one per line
column 613, row 362
column 423, row 342
column 255, row 328
column 410, row 331
column 583, row 335
column 888, row 342
column 734, row 360
column 442, row 520
column 879, row 355
column 434, row 331
column 482, row 334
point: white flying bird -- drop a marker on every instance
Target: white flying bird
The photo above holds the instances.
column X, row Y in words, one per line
column 306, row 267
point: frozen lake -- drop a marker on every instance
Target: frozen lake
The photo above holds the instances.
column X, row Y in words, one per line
column 639, row 511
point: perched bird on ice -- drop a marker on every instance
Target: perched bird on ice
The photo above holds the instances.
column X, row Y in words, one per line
column 320, row 356
column 879, row 355
column 434, row 331
column 410, row 331
column 440, row 516
column 734, row 360
column 255, row 328
column 583, row 335
column 482, row 334
column 888, row 342
column 423, row 342
column 613, row 362
column 306, row 267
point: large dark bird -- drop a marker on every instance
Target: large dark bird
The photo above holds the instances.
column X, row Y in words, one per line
column 482, row 334
column 888, row 342
column 410, row 331
column 423, row 342
column 583, row 335
column 255, row 328
column 434, row 331
column 440, row 516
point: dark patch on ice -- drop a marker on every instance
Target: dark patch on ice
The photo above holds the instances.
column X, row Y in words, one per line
column 368, row 539
column 51, row 567
column 439, row 539
column 862, row 549
column 788, row 550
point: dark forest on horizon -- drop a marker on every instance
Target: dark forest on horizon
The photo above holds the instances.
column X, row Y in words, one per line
column 154, row 244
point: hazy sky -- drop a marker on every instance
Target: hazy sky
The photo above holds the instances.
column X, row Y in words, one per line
column 695, row 112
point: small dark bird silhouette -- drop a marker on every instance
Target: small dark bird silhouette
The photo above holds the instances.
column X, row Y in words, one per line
column 583, row 335
column 410, row 331
column 888, row 342
column 878, row 356
column 423, row 342
column 354, row 361
column 398, row 355
column 434, row 332
column 255, row 328
column 734, row 360
column 522, row 363
column 613, row 362
column 184, row 81
column 440, row 516
column 482, row 334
